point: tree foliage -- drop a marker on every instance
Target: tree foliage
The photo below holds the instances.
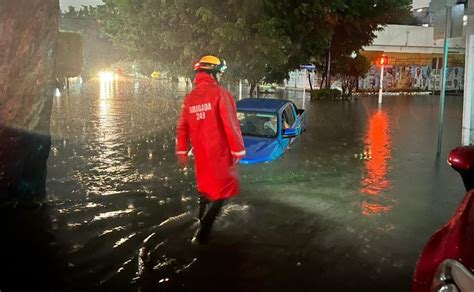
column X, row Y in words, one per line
column 350, row 70
column 261, row 39
column 357, row 23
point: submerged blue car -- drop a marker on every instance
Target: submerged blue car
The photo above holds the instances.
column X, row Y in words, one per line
column 268, row 126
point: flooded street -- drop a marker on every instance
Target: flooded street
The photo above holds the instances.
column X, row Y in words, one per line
column 348, row 208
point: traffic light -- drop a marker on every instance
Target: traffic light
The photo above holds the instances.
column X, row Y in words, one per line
column 382, row 60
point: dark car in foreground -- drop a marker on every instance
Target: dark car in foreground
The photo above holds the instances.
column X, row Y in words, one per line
column 447, row 261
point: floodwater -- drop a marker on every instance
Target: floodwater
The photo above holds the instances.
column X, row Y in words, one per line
column 347, row 208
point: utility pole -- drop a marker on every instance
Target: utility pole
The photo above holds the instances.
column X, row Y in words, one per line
column 448, row 23
column 381, row 83
column 442, row 104
column 240, row 89
column 304, row 86
column 468, row 111
column 382, row 61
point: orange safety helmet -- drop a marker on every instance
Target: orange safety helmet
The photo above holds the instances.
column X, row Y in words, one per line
column 211, row 64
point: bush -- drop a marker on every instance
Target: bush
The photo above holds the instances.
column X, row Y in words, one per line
column 328, row 94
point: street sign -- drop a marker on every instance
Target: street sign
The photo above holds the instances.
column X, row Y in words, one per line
column 437, row 5
column 309, row 67
column 439, row 22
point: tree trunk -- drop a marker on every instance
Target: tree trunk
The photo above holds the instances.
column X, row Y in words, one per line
column 323, row 78
column 27, row 82
column 325, row 72
column 252, row 88
column 328, row 69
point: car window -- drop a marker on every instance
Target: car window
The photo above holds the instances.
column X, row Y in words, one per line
column 258, row 124
column 289, row 116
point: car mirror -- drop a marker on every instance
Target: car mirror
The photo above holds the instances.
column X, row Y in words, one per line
column 461, row 159
column 290, row 133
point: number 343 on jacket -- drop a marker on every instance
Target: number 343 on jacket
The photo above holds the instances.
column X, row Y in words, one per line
column 209, row 121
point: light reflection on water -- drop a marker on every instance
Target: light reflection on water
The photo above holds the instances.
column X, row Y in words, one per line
column 110, row 172
column 116, row 192
column 375, row 181
column 112, row 214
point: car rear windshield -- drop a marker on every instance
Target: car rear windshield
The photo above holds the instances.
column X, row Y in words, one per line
column 258, row 124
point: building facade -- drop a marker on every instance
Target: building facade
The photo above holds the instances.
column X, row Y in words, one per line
column 415, row 58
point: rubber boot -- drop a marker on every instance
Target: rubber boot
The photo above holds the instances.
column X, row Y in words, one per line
column 203, row 203
column 202, row 233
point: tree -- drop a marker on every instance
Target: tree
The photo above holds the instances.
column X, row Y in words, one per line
column 356, row 25
column 175, row 34
column 261, row 39
column 350, row 70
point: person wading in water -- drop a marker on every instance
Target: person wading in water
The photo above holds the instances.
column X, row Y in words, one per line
column 209, row 122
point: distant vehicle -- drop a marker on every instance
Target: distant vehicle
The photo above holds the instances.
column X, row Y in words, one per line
column 447, row 261
column 268, row 126
column 155, row 75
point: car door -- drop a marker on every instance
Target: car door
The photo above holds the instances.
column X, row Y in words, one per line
column 289, row 116
column 298, row 124
column 288, row 121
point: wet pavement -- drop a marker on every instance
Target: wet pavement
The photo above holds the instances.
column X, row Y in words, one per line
column 348, row 208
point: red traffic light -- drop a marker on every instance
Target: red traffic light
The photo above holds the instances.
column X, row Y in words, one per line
column 383, row 60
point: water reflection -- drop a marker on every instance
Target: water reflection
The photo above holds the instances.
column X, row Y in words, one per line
column 106, row 87
column 374, row 183
column 114, row 237
column 109, row 163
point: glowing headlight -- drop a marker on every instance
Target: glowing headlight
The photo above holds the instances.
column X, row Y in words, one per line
column 106, row 76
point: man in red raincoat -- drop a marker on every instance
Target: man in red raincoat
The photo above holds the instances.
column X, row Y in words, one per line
column 209, row 120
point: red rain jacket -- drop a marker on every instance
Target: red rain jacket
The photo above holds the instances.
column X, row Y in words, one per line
column 209, row 119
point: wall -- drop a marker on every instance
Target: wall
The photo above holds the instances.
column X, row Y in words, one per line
column 412, row 39
column 298, row 80
column 411, row 51
column 412, row 77
column 28, row 35
column 421, row 3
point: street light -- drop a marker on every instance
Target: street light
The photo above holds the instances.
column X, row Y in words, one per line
column 382, row 61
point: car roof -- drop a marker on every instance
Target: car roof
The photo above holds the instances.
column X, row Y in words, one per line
column 269, row 105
